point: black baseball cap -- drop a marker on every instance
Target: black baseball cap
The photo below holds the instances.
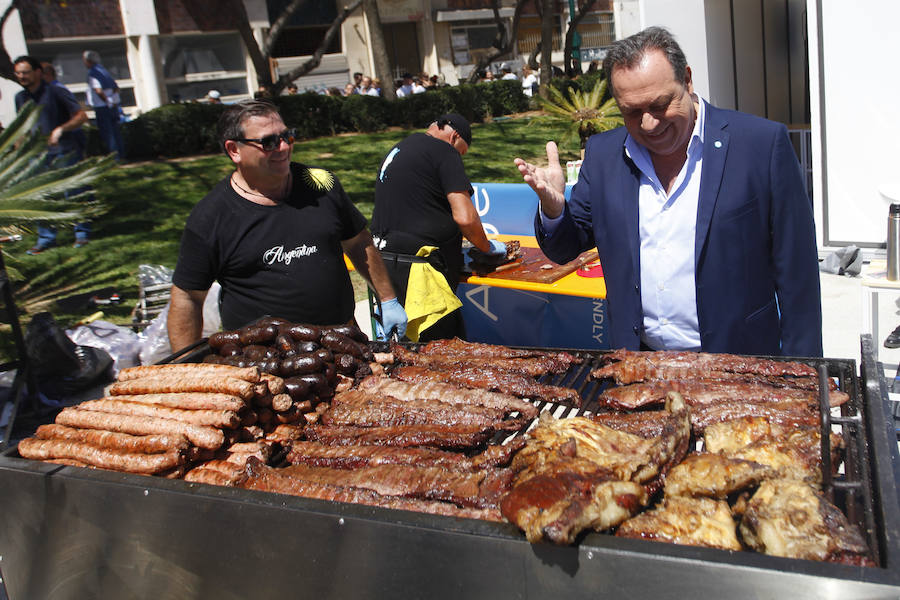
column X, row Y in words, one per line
column 458, row 123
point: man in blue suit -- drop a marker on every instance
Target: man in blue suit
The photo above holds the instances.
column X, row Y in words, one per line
column 700, row 216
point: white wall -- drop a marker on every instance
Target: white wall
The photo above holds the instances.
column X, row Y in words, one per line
column 686, row 19
column 14, row 42
column 856, row 127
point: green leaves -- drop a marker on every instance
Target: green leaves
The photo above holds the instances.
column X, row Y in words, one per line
column 29, row 192
column 582, row 111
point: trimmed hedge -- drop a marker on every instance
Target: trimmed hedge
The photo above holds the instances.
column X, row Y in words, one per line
column 190, row 128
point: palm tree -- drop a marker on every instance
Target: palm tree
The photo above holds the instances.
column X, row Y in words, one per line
column 29, row 191
column 583, row 110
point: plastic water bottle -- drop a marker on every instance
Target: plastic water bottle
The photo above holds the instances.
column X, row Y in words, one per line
column 893, row 243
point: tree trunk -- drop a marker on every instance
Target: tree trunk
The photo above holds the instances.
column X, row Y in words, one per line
column 546, row 44
column 504, row 43
column 379, row 49
column 572, row 66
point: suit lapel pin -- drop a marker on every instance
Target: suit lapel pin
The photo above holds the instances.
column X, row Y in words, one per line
column 718, row 144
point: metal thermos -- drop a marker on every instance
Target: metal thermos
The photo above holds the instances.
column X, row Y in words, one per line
column 893, row 243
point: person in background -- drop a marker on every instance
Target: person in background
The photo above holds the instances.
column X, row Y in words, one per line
column 60, row 119
column 103, row 98
column 507, row 73
column 263, row 92
column 357, row 79
column 417, row 87
column 488, row 76
column 699, row 214
column 423, row 199
column 364, row 85
column 405, row 86
column 48, row 73
column 529, row 81
column 349, row 89
column 214, row 97
column 375, row 88
column 292, row 89
column 273, row 233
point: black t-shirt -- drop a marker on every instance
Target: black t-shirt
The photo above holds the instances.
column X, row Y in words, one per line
column 411, row 207
column 284, row 260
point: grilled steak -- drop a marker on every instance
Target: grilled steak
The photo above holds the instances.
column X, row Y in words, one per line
column 686, row 521
column 474, row 489
column 487, row 378
column 627, row 366
column 460, row 437
column 532, row 366
column 637, row 395
column 352, row 457
column 366, row 409
column 789, row 414
column 446, row 392
column 261, row 477
column 460, row 348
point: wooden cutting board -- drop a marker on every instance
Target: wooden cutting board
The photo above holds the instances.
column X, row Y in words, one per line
column 537, row 268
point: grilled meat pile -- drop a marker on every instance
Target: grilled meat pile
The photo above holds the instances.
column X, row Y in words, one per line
column 442, row 430
column 574, row 474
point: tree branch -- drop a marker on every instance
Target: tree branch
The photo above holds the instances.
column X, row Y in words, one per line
column 278, row 25
column 583, row 8
column 316, row 58
column 503, row 44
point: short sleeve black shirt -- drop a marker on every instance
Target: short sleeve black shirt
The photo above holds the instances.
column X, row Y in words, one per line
column 284, row 260
column 57, row 107
column 411, row 191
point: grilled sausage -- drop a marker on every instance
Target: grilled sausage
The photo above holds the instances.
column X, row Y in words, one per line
column 203, row 436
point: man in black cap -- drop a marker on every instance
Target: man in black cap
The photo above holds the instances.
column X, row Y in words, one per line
column 423, row 199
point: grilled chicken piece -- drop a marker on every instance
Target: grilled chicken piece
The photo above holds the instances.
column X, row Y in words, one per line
column 792, row 519
column 686, row 521
column 793, row 452
column 714, row 476
column 557, row 506
column 574, row 473
column 796, row 456
column 730, row 436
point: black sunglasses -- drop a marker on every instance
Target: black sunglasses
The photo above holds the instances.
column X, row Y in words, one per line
column 272, row 142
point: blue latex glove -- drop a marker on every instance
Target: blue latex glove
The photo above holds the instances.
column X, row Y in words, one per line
column 498, row 248
column 389, row 318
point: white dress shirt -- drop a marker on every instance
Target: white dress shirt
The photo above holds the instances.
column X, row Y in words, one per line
column 668, row 223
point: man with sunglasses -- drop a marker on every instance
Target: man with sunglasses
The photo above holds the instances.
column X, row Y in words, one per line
column 273, row 234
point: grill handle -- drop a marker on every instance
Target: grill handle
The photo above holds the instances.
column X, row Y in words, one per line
column 825, row 432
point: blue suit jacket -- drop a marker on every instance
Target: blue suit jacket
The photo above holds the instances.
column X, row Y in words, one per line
column 756, row 262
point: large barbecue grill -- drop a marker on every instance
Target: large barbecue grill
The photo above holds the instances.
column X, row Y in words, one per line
column 78, row 533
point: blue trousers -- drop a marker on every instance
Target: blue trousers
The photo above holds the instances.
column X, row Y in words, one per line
column 108, row 127
column 47, row 233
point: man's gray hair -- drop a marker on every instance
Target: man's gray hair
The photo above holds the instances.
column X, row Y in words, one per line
column 92, row 56
column 629, row 51
column 231, row 123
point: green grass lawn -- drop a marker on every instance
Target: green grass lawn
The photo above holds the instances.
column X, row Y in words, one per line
column 148, row 204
